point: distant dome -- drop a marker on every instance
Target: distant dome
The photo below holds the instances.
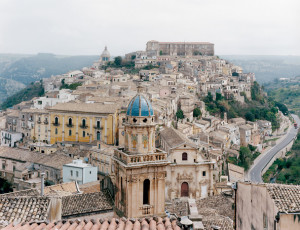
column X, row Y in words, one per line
column 105, row 52
column 139, row 106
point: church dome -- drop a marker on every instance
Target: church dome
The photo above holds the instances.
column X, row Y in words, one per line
column 139, row 106
column 105, row 52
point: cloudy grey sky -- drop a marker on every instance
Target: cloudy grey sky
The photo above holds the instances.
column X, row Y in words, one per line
column 266, row 27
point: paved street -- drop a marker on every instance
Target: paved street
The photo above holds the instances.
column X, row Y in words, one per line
column 255, row 171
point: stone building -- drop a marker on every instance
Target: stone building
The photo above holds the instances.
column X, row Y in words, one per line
column 189, row 174
column 139, row 169
column 267, row 206
column 83, row 122
column 156, row 48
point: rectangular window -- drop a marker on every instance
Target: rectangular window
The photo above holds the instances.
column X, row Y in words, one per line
column 77, row 174
column 204, row 173
column 265, row 220
column 71, row 172
column 83, row 133
column 70, row 132
column 55, row 130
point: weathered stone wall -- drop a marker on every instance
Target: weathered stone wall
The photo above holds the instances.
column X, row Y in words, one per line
column 253, row 203
column 181, row 48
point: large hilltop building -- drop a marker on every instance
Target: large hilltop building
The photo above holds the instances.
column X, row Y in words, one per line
column 180, row 48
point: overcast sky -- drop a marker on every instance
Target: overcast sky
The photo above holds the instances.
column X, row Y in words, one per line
column 264, row 27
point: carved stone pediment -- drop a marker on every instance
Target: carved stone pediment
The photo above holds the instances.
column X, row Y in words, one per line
column 132, row 179
column 203, row 181
column 184, row 177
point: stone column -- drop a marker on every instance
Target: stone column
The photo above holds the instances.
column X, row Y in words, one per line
column 91, row 129
column 113, row 125
column 77, row 129
column 210, row 168
column 197, row 182
column 155, row 202
column 105, row 132
column 161, row 193
column 49, row 130
column 63, row 128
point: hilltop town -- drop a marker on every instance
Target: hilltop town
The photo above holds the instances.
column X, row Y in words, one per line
column 168, row 131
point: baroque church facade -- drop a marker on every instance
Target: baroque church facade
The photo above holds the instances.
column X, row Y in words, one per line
column 145, row 176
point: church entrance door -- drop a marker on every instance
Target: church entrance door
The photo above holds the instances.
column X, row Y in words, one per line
column 184, row 189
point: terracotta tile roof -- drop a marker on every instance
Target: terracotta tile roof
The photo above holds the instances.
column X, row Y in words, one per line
column 27, row 192
column 54, row 160
column 174, row 138
column 225, row 223
column 23, row 209
column 82, row 204
column 95, row 224
column 68, row 188
column 90, row 187
column 85, row 107
column 286, row 197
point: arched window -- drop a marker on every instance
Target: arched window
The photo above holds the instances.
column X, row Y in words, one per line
column 98, row 124
column 70, row 121
column 185, row 189
column 184, row 156
column 146, row 192
column 56, row 120
column 98, row 136
column 83, row 123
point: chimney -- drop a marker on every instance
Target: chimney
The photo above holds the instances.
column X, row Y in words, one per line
column 42, row 183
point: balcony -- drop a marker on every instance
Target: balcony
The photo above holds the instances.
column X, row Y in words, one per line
column 55, row 124
column 146, row 209
column 69, row 125
column 38, row 121
column 98, row 127
column 156, row 157
column 83, row 126
column 46, row 122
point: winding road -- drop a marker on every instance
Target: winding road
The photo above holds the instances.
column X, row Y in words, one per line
column 255, row 171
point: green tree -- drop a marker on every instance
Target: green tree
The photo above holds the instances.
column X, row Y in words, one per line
column 118, row 61
column 179, row 114
column 219, row 97
column 249, row 116
column 197, row 112
column 5, row 186
column 160, row 52
column 245, row 157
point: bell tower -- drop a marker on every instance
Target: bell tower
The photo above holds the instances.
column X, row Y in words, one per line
column 139, row 168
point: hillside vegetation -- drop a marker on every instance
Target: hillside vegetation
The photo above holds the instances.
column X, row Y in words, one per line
column 286, row 170
column 259, row 107
column 267, row 67
column 17, row 71
column 31, row 91
column 287, row 93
